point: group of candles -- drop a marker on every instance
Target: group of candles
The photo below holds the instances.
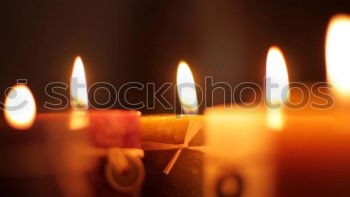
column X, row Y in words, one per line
column 285, row 152
column 266, row 150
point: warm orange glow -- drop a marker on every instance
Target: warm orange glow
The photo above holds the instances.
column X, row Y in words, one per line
column 78, row 88
column 338, row 54
column 186, row 88
column 278, row 92
column 20, row 107
column 78, row 120
column 275, row 119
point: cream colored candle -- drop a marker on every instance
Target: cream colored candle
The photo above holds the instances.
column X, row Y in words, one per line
column 170, row 129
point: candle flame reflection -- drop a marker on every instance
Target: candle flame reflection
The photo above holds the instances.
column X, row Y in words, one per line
column 20, row 107
column 276, row 73
column 337, row 54
column 186, row 89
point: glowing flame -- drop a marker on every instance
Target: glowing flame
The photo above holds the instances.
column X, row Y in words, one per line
column 20, row 107
column 78, row 89
column 277, row 86
column 186, row 88
column 338, row 54
column 276, row 75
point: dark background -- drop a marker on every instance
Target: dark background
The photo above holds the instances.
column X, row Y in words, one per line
column 143, row 41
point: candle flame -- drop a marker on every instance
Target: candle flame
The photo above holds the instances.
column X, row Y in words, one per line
column 186, row 88
column 78, row 89
column 276, row 73
column 79, row 99
column 337, row 54
column 277, row 94
column 20, row 107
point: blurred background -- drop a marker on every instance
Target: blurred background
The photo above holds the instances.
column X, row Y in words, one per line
column 143, row 41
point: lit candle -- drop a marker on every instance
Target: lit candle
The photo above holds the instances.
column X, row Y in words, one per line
column 314, row 144
column 172, row 142
column 338, row 65
column 239, row 160
column 70, row 147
